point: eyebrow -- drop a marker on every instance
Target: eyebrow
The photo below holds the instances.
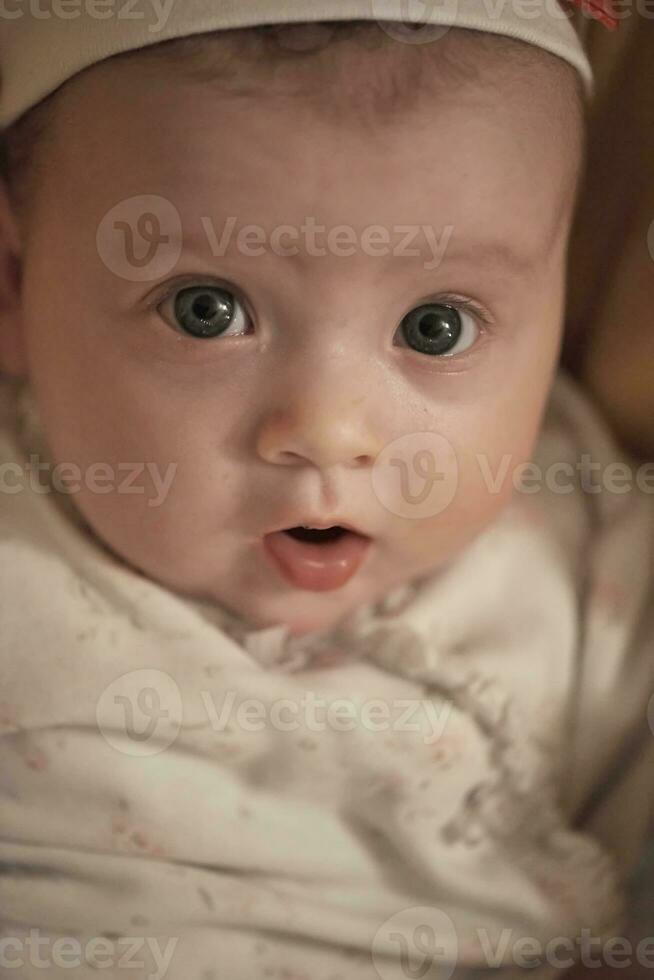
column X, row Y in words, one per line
column 402, row 246
column 497, row 253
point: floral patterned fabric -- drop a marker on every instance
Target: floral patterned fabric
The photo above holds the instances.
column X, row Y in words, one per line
column 455, row 772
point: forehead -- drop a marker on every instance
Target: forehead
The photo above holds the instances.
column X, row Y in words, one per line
column 472, row 155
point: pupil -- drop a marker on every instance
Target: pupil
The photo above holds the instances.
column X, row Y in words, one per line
column 433, row 325
column 204, row 307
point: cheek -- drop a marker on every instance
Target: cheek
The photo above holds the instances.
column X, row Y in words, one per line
column 166, row 475
column 490, row 446
column 98, row 401
column 144, row 457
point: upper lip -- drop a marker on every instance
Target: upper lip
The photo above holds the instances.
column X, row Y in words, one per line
column 321, row 525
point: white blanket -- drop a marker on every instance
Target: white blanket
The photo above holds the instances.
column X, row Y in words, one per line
column 454, row 778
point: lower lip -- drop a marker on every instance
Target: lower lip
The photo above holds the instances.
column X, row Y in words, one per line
column 317, row 567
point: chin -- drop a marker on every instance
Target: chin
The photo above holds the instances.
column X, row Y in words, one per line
column 304, row 629
column 298, row 621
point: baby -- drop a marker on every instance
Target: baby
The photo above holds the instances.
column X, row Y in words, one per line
column 325, row 633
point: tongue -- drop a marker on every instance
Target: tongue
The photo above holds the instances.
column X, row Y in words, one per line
column 317, row 567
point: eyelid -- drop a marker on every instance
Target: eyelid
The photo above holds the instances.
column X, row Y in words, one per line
column 454, row 363
column 463, row 303
column 485, row 320
column 166, row 290
column 485, row 323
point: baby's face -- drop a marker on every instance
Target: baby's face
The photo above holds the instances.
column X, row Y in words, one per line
column 289, row 409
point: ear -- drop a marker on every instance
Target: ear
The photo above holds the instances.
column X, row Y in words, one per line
column 13, row 360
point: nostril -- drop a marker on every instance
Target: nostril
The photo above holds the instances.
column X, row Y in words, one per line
column 290, row 456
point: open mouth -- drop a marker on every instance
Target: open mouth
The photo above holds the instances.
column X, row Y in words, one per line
column 317, row 559
column 317, row 535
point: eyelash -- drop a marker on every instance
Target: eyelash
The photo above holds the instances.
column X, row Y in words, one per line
column 460, row 303
column 467, row 305
column 162, row 296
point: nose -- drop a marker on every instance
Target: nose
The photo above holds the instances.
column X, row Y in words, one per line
column 322, row 431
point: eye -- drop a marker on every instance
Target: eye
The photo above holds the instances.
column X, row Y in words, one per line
column 439, row 329
column 204, row 312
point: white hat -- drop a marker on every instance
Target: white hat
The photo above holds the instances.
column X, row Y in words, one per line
column 43, row 43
